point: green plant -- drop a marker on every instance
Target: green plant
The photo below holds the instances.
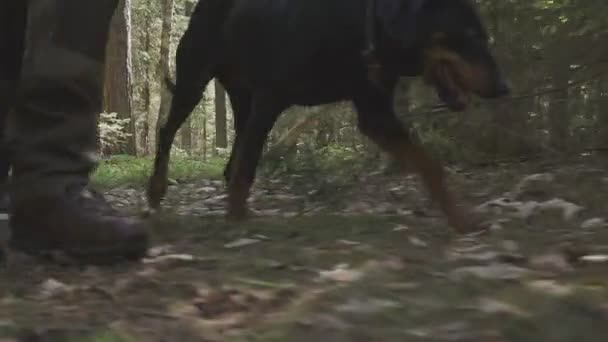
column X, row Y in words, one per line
column 112, row 132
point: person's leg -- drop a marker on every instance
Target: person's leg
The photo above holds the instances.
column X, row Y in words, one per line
column 12, row 26
column 52, row 136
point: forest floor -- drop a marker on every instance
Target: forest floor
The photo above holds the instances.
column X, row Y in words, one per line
column 335, row 258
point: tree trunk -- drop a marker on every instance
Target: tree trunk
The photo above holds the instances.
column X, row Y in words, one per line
column 118, row 74
column 164, row 66
column 204, row 136
column 145, row 134
column 221, row 132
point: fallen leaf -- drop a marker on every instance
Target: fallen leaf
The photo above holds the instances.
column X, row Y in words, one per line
column 569, row 209
column 550, row 287
column 492, row 306
column 218, row 303
column 551, row 262
column 532, row 182
column 367, row 306
column 417, row 242
column 419, row 332
column 495, row 226
column 496, row 206
column 348, row 242
column 392, row 264
column 171, row 261
column 469, row 249
column 52, row 288
column 594, row 223
column 526, row 209
column 159, row 250
column 594, row 258
column 241, row 243
column 341, row 274
column 207, row 189
column 481, row 256
column 498, row 271
column 400, row 227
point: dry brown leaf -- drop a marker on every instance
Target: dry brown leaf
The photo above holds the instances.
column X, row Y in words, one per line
column 498, row 271
column 555, row 262
column 551, row 287
column 417, row 242
column 242, row 243
column 53, row 288
column 491, row 306
column 594, row 223
column 341, row 273
column 594, row 258
column 400, row 227
column 366, row 306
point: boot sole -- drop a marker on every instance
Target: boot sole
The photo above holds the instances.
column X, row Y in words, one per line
column 131, row 251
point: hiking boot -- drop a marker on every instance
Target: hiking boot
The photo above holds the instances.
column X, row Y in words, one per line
column 80, row 224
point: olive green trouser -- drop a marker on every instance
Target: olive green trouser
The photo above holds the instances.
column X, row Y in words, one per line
column 12, row 23
column 51, row 131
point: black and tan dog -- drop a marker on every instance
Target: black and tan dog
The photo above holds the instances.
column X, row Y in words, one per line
column 272, row 54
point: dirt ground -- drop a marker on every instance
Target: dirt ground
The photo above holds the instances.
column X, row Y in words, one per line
column 334, row 259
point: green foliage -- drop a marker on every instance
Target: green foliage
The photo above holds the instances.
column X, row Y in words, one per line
column 112, row 131
column 441, row 145
column 553, row 52
column 315, row 163
column 124, row 170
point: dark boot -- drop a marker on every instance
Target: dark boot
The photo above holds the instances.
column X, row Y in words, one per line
column 52, row 135
column 79, row 223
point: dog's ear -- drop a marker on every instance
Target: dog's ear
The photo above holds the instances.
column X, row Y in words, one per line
column 399, row 18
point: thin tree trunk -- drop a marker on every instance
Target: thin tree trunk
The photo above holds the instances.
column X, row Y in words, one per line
column 145, row 134
column 164, row 66
column 204, row 136
column 221, row 132
column 118, row 88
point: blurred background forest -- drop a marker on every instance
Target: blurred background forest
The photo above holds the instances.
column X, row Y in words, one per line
column 553, row 53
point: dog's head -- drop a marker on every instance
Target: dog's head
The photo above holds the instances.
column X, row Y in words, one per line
column 452, row 44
